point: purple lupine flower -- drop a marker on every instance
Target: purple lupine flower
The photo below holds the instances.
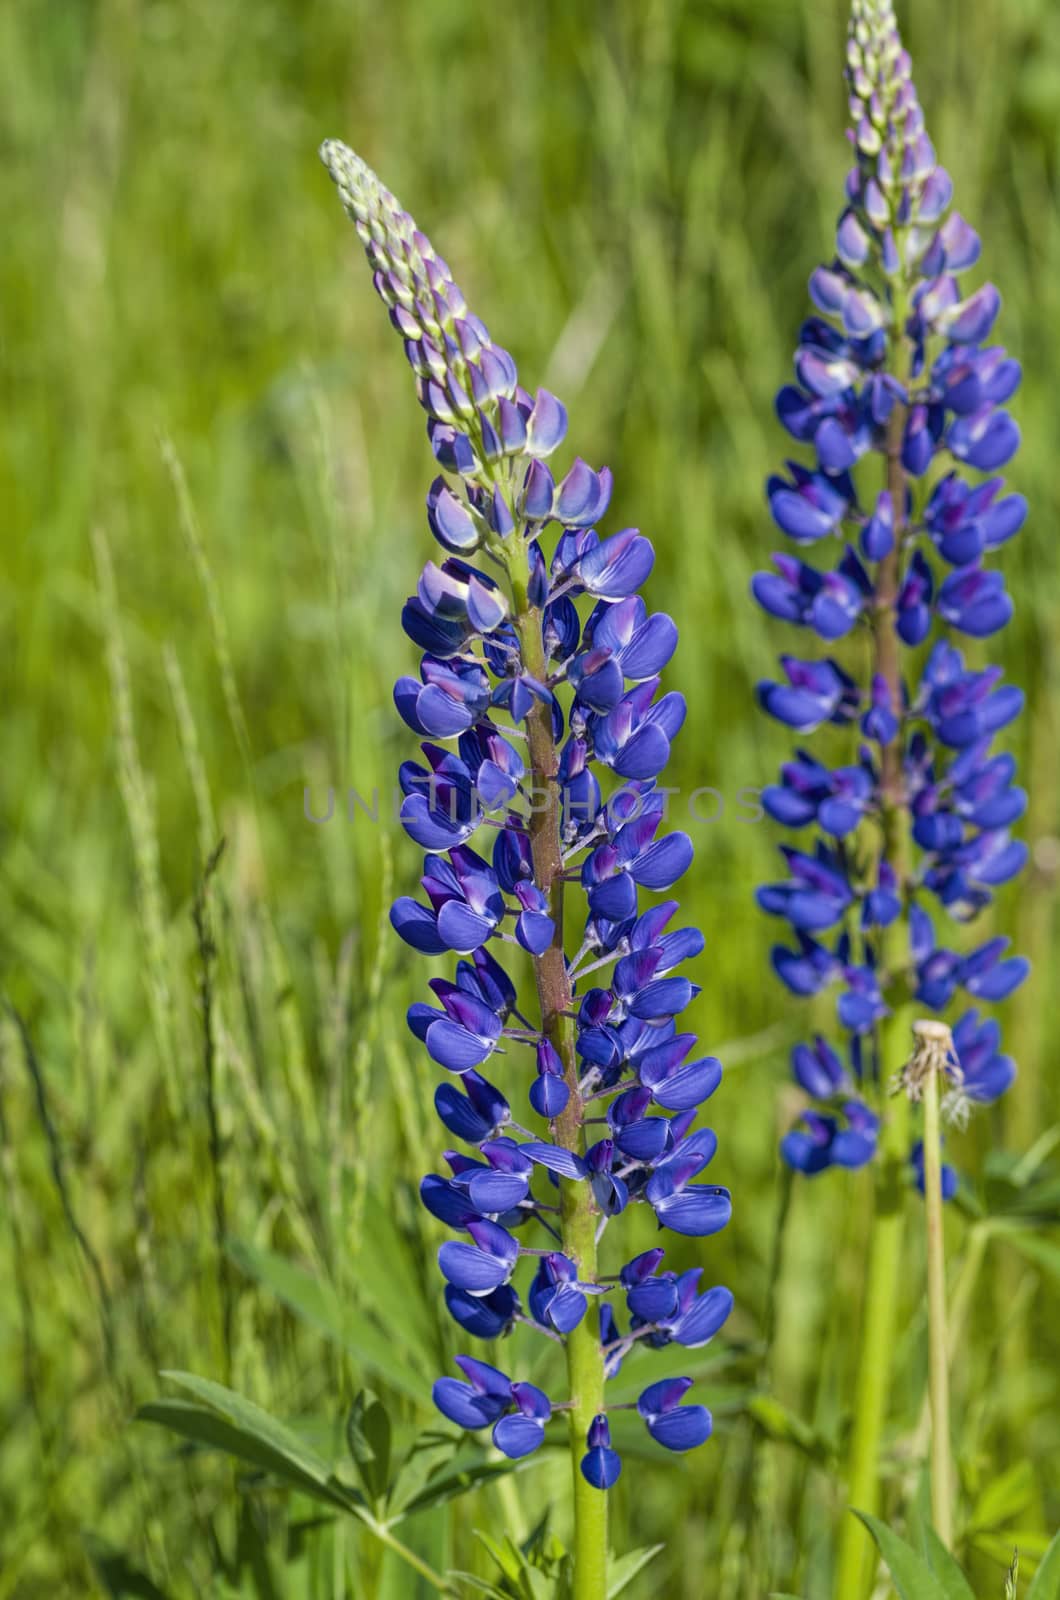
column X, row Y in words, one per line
column 897, row 375
column 600, row 1464
column 671, row 1423
column 545, row 729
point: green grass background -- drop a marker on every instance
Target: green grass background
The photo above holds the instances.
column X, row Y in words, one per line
column 212, row 470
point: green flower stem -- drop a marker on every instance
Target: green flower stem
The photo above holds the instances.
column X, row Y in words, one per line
column 578, row 1216
column 856, row 1559
column 938, row 1352
column 585, row 1374
column 856, row 1555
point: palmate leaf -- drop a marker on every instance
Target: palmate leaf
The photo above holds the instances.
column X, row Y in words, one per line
column 521, row 1579
column 223, row 1420
column 1046, row 1585
column 204, row 1427
column 539, row 1569
column 910, row 1573
column 505, row 1553
column 220, row 1419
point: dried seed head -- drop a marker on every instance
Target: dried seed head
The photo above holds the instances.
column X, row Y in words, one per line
column 933, row 1051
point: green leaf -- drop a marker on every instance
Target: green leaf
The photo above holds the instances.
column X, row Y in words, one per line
column 912, row 1577
column 430, row 1452
column 1004, row 1498
column 783, row 1425
column 541, row 1545
column 1032, row 1547
column 252, row 1419
column 1046, row 1585
column 118, row 1576
column 458, row 1478
column 508, row 1556
column 626, row 1568
column 205, row 1427
column 390, row 1281
column 1040, row 1251
column 254, row 1557
column 479, row 1585
column 227, row 1421
column 302, row 1532
column 531, row 1583
column 368, row 1438
column 955, row 1585
column 315, row 1302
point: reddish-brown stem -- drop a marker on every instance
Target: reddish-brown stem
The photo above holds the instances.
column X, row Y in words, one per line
column 578, row 1215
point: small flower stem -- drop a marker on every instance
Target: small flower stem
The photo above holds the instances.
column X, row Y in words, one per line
column 585, row 1359
column 382, row 1532
column 938, row 1353
column 978, row 1239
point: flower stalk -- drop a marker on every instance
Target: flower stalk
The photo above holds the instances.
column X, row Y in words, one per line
column 879, row 1312
column 525, row 703
column 578, row 1216
column 900, row 396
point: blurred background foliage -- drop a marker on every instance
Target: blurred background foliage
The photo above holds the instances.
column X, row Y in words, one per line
column 211, row 1116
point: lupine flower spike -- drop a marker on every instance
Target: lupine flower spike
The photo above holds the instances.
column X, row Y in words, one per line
column 903, row 820
column 539, row 688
